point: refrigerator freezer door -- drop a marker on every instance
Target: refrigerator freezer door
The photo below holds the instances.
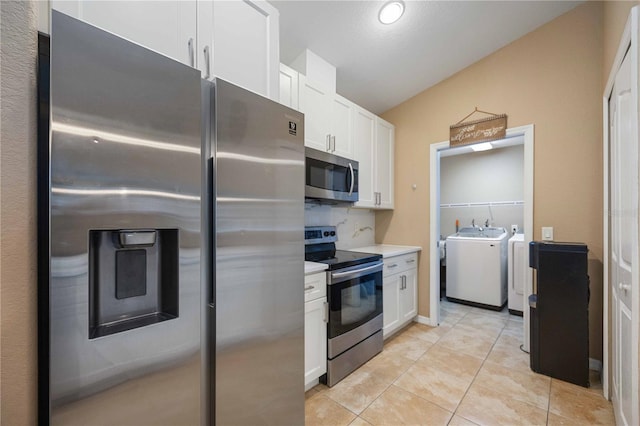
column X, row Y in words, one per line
column 125, row 293
column 259, row 297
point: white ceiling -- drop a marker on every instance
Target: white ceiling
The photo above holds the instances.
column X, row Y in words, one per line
column 380, row 66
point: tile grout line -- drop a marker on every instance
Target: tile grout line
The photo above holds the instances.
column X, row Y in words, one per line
column 476, row 375
column 404, row 372
column 413, row 363
column 390, row 384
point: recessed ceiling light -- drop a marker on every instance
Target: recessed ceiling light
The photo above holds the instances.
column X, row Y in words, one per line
column 481, row 146
column 391, row 12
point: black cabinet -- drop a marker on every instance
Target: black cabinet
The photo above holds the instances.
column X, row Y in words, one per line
column 559, row 320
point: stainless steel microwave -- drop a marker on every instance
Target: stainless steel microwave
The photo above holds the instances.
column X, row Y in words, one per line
column 330, row 177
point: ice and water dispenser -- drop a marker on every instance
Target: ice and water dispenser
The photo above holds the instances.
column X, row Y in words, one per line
column 133, row 279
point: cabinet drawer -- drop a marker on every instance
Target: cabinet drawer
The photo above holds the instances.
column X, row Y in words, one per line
column 315, row 286
column 395, row 264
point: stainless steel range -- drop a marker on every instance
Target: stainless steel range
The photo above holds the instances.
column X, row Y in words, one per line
column 354, row 293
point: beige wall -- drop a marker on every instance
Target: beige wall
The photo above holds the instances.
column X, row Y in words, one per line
column 17, row 213
column 552, row 78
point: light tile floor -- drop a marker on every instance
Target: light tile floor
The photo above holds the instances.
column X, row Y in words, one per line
column 468, row 371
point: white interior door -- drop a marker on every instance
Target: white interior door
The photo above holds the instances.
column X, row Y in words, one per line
column 623, row 228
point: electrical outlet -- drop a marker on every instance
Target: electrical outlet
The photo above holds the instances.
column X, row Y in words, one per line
column 514, row 229
column 547, row 233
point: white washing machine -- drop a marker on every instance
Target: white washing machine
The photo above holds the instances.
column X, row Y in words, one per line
column 518, row 268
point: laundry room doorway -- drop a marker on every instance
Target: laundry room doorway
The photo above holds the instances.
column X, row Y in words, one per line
column 478, row 212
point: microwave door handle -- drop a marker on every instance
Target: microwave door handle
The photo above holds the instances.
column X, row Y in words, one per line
column 353, row 178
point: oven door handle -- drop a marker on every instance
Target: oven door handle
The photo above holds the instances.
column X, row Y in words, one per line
column 355, row 272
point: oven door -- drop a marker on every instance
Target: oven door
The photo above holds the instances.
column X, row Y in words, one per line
column 355, row 305
column 330, row 177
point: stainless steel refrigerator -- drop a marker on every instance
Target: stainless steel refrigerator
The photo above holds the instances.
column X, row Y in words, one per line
column 170, row 241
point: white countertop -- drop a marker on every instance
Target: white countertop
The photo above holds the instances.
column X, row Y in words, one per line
column 387, row 250
column 313, row 267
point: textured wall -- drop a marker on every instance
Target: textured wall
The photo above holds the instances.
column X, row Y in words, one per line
column 551, row 77
column 18, row 374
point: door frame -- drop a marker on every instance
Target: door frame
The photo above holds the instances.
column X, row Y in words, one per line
column 629, row 41
column 527, row 132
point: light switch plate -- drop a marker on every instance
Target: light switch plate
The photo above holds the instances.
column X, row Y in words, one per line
column 547, row 233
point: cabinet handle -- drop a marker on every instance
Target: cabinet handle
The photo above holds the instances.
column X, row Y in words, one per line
column 410, row 260
column 309, row 288
column 207, row 60
column 402, row 277
column 191, row 55
column 333, row 141
column 326, row 312
column 393, row 265
column 625, row 287
column 328, row 143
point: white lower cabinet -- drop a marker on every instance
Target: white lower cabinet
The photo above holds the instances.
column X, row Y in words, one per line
column 315, row 328
column 399, row 292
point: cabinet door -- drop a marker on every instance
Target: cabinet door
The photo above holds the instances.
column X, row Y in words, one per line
column 246, row 49
column 341, row 126
column 315, row 339
column 168, row 27
column 390, row 304
column 288, row 86
column 364, row 128
column 383, row 172
column 315, row 103
column 409, row 295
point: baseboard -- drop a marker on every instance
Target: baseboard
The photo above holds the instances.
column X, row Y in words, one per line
column 424, row 320
column 311, row 384
column 595, row 365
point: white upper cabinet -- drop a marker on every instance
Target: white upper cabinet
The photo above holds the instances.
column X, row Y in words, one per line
column 373, row 140
column 237, row 41
column 246, row 47
column 328, row 118
column 384, row 159
column 315, row 102
column 341, row 126
column 288, row 86
column 168, row 27
column 364, row 133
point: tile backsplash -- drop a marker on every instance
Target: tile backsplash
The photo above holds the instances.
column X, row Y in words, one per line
column 355, row 227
